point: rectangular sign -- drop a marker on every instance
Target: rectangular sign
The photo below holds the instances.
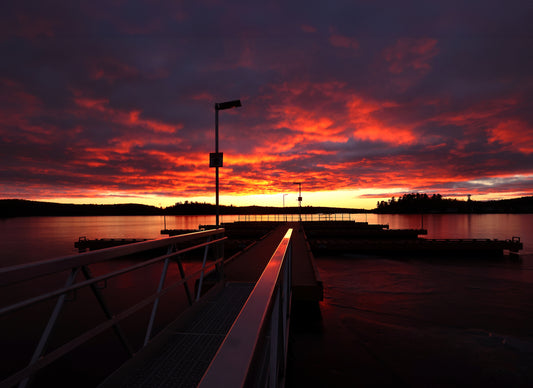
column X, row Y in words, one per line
column 216, row 159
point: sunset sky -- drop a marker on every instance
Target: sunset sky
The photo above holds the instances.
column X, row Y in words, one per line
column 113, row 101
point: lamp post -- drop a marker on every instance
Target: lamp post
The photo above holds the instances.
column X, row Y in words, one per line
column 284, row 207
column 216, row 158
column 299, row 197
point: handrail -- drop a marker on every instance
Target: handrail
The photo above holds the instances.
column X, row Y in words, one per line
column 23, row 272
column 75, row 263
column 294, row 217
column 265, row 314
column 31, row 301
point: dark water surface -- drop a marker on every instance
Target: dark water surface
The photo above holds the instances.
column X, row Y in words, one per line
column 412, row 322
column 417, row 323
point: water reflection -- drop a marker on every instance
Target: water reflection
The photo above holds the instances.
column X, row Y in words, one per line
column 401, row 321
column 27, row 239
column 492, row 226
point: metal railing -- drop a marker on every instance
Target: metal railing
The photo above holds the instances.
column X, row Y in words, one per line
column 79, row 264
column 295, row 217
column 255, row 350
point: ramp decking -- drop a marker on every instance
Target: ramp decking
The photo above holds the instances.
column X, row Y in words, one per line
column 181, row 354
column 248, row 265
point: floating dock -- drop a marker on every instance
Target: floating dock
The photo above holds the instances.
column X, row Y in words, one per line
column 335, row 237
column 339, row 237
column 100, row 243
column 439, row 247
column 177, row 232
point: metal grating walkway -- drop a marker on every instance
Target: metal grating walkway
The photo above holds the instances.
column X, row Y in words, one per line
column 180, row 357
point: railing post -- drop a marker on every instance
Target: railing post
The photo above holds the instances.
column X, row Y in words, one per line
column 156, row 302
column 50, row 325
column 185, row 286
column 105, row 309
column 220, row 255
column 199, row 292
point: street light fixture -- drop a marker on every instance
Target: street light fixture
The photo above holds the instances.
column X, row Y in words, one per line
column 216, row 158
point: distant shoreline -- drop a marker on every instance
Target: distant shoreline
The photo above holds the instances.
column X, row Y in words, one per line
column 10, row 208
column 23, row 208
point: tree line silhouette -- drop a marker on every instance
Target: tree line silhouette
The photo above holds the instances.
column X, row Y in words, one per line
column 25, row 208
column 406, row 204
column 423, row 203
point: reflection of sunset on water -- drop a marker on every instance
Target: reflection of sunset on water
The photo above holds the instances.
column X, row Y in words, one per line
column 390, row 322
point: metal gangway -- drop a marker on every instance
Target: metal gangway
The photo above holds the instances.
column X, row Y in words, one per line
column 255, row 342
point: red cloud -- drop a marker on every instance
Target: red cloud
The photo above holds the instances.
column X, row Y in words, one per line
column 121, row 117
column 328, row 112
column 495, row 117
column 517, row 133
column 17, row 107
column 111, row 70
column 307, row 28
column 338, row 40
column 475, row 113
column 363, row 114
column 409, row 54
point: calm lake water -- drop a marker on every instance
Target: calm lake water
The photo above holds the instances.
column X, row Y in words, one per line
column 384, row 321
column 38, row 238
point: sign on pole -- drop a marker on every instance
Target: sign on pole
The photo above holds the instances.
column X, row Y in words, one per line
column 216, row 159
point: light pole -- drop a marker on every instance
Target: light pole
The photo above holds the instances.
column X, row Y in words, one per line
column 299, row 197
column 284, row 195
column 216, row 158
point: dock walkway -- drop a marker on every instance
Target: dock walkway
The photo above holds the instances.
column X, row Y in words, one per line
column 180, row 355
column 248, row 265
